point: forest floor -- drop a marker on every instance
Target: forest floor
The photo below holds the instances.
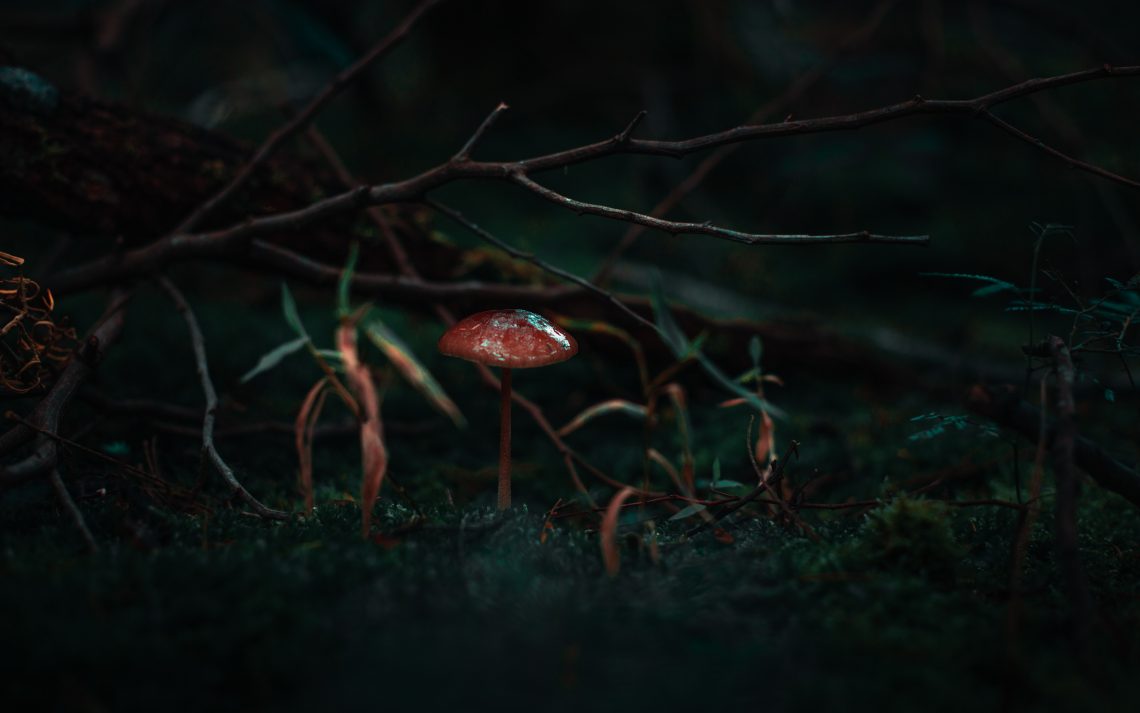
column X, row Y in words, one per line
column 451, row 604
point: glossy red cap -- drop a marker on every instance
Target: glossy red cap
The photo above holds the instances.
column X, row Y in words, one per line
column 510, row 338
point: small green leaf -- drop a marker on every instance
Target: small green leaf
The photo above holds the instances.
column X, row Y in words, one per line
column 345, row 282
column 755, row 349
column 274, row 357
column 688, row 511
column 289, row 309
column 1109, row 395
column 676, row 340
column 116, row 448
column 994, row 285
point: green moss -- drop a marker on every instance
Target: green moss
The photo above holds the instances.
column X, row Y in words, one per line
column 910, row 535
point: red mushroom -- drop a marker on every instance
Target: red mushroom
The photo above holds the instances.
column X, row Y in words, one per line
column 511, row 339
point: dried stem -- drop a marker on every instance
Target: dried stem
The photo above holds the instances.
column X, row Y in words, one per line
column 505, row 440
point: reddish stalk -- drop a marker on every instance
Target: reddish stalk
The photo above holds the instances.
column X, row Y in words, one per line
column 505, row 440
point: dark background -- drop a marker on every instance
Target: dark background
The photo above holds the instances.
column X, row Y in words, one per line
column 904, row 608
column 576, row 72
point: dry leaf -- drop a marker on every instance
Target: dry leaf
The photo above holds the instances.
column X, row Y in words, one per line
column 374, row 455
column 608, row 535
column 303, row 437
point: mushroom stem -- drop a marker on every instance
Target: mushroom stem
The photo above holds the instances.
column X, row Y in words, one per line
column 505, row 441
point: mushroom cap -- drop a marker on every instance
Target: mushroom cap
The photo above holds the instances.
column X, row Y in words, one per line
column 510, row 338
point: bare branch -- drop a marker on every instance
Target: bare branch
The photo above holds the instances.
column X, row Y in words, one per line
column 329, row 154
column 209, row 450
column 627, row 132
column 302, row 119
column 464, row 153
column 1072, row 162
column 845, row 122
column 235, row 239
column 677, row 228
column 293, row 264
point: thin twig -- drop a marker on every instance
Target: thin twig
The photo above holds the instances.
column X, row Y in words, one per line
column 375, row 213
column 1068, row 160
column 679, row 228
column 538, row 262
column 198, row 343
column 464, row 154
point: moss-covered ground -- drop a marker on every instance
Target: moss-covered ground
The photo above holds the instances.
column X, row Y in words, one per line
column 455, row 607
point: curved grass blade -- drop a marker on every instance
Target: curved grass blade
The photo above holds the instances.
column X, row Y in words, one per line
column 412, row 370
column 600, row 409
column 303, row 428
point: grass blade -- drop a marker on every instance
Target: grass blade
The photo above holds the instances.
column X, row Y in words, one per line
column 289, row 309
column 275, row 357
column 600, row 409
